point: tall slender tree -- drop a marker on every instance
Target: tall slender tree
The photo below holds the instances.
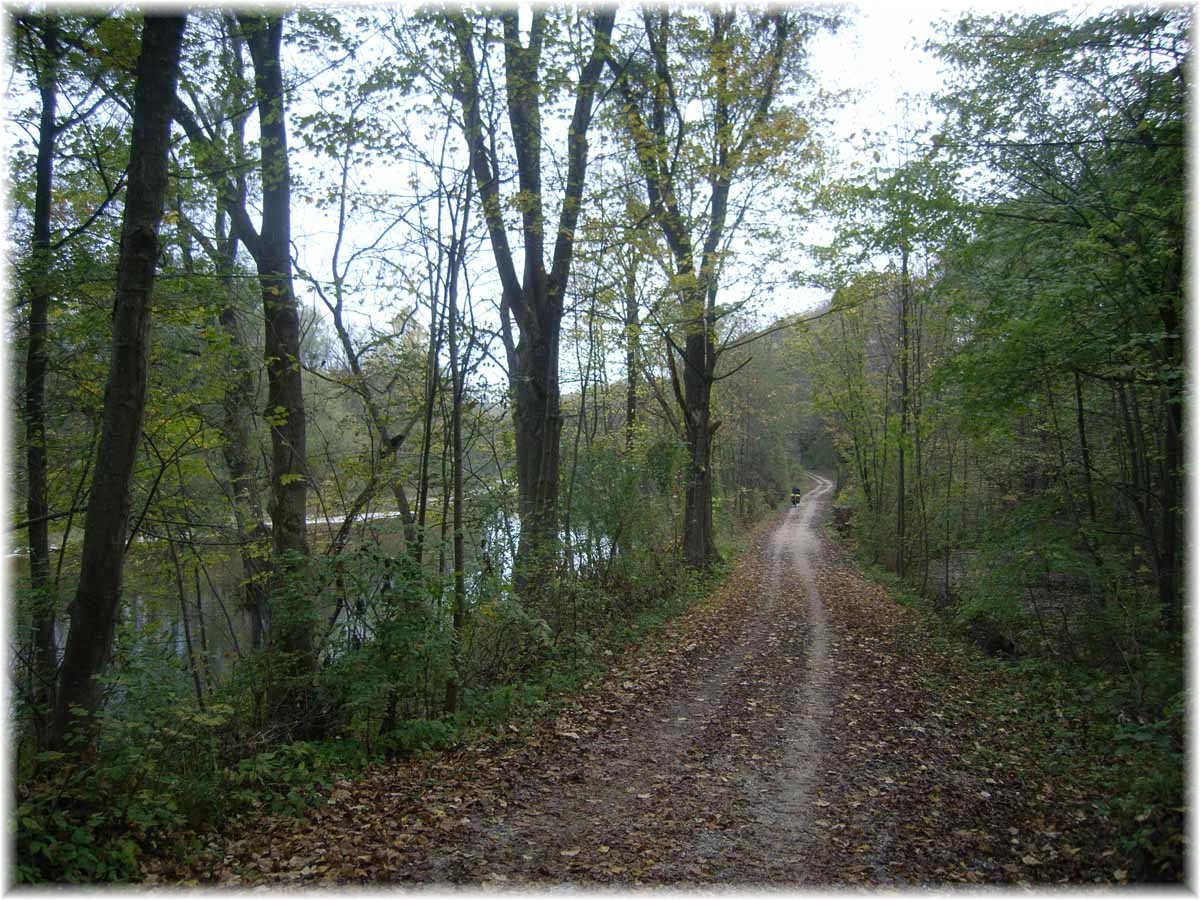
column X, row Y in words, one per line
column 97, row 600
column 270, row 247
column 532, row 299
column 40, row 40
column 744, row 58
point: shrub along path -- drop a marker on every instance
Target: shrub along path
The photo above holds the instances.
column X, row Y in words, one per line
column 799, row 728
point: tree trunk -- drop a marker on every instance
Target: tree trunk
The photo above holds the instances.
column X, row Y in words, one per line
column 292, row 625
column 292, row 619
column 285, row 397
column 94, row 611
column 633, row 327
column 699, row 545
column 1168, row 568
column 1085, row 456
column 901, row 523
column 238, row 402
column 185, row 620
column 433, row 377
column 1172, row 492
column 45, row 652
column 537, row 426
column 535, row 297
column 456, row 477
column 253, row 537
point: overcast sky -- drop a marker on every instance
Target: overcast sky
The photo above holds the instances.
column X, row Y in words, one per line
column 879, row 55
column 880, row 51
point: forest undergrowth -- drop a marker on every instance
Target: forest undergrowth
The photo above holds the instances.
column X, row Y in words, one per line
column 171, row 773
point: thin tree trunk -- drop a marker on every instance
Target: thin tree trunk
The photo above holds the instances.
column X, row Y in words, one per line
column 454, row 261
column 237, row 407
column 901, row 536
column 1172, row 492
column 580, row 428
column 204, row 655
column 95, row 608
column 1085, row 454
column 456, row 476
column 45, row 652
column 193, row 665
column 285, row 398
column 433, row 376
column 293, row 621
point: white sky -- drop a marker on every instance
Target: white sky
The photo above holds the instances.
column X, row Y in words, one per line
column 879, row 56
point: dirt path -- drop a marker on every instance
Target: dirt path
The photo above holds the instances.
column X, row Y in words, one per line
column 798, row 729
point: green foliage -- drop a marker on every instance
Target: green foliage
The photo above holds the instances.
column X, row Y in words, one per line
column 417, row 736
column 1099, row 731
column 64, row 835
column 1147, row 764
column 503, row 642
column 390, row 647
column 163, row 770
column 154, row 776
column 572, row 662
column 666, row 461
column 286, row 780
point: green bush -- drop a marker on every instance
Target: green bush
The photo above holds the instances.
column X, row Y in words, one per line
column 78, row 822
column 389, row 656
column 419, row 736
column 289, row 778
column 504, row 642
column 82, row 823
column 1144, row 770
